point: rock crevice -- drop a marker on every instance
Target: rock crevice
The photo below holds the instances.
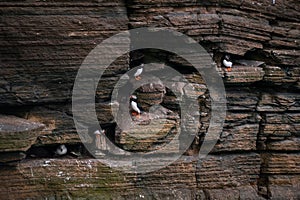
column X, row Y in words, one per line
column 256, row 157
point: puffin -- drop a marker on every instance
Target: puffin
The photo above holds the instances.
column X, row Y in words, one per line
column 61, row 150
column 137, row 74
column 227, row 63
column 134, row 106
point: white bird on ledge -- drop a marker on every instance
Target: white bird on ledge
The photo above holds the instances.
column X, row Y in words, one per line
column 138, row 72
column 133, row 104
column 61, row 150
column 227, row 63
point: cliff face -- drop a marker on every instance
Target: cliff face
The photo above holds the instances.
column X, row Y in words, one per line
column 43, row 44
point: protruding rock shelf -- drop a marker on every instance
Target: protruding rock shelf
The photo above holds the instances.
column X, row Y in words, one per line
column 149, row 133
column 16, row 136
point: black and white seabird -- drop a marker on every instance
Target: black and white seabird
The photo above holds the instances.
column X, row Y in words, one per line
column 61, row 150
column 227, row 63
column 137, row 74
column 133, row 104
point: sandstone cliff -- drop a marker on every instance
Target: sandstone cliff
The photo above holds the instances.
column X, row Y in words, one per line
column 43, row 44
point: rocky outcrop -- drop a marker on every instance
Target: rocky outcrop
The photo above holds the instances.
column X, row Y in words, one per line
column 257, row 153
column 149, row 132
column 90, row 179
column 44, row 47
column 219, row 172
column 17, row 135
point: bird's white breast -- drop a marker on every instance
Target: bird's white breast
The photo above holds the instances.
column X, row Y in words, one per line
column 138, row 72
column 135, row 107
column 227, row 63
column 61, row 150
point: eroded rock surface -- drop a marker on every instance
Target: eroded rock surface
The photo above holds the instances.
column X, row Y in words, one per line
column 16, row 136
column 43, row 44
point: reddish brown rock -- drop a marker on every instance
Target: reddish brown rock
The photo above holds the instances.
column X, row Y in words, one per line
column 274, row 74
column 276, row 102
column 284, row 186
column 87, row 178
column 227, row 171
column 42, row 48
column 239, row 133
column 241, row 99
column 244, row 74
column 17, row 135
column 281, row 163
column 292, row 144
column 44, row 43
column 150, row 131
column 279, row 132
column 59, row 126
column 247, row 192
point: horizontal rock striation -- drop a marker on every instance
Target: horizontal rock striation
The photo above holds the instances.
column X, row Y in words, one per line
column 44, row 43
column 17, row 135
